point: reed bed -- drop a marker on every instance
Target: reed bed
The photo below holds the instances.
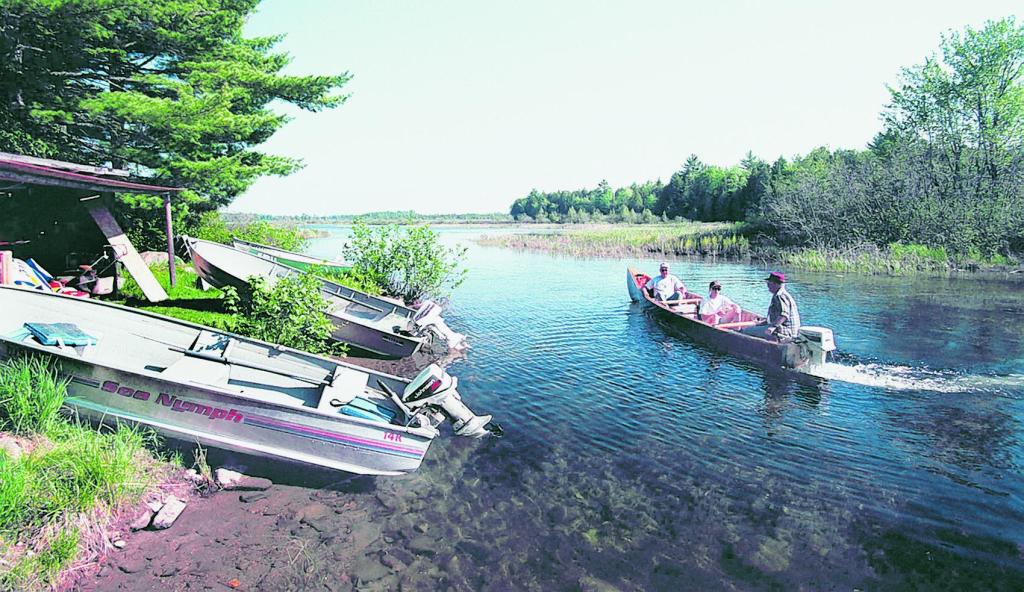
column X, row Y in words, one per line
column 714, row 239
column 895, row 259
column 58, row 477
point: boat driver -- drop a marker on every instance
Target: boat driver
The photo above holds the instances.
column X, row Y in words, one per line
column 783, row 317
column 665, row 286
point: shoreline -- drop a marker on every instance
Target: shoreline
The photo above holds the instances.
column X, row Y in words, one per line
column 876, row 263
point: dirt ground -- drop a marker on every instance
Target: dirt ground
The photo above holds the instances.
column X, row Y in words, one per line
column 318, row 524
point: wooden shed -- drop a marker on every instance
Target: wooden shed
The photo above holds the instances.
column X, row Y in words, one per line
column 48, row 207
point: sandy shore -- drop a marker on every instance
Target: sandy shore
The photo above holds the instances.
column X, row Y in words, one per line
column 309, row 531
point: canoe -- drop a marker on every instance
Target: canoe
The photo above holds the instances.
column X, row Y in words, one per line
column 223, row 390
column 379, row 326
column 291, row 259
column 809, row 349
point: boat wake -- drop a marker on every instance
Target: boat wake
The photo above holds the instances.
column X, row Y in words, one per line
column 897, row 377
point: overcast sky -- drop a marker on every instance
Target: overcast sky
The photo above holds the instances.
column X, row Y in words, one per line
column 466, row 105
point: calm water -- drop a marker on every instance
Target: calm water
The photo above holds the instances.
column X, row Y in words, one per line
column 635, row 459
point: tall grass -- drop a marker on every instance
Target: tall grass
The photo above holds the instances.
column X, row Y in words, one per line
column 711, row 239
column 894, row 259
column 31, row 394
column 67, row 469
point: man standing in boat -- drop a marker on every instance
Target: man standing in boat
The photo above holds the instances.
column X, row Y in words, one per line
column 665, row 286
column 783, row 316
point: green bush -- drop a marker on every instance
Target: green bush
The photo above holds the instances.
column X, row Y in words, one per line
column 291, row 313
column 408, row 262
column 212, row 227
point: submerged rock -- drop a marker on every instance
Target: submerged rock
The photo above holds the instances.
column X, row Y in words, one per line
column 173, row 507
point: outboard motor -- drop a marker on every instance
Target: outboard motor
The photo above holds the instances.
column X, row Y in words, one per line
column 433, row 390
column 428, row 318
column 818, row 341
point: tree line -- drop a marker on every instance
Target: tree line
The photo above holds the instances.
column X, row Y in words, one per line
column 946, row 170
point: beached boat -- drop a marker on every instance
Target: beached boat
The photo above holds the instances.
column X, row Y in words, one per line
column 374, row 324
column 194, row 383
column 294, row 260
column 810, row 349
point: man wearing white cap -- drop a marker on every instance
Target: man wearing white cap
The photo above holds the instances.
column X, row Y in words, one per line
column 665, row 286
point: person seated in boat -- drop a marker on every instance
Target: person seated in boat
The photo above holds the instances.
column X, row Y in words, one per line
column 717, row 308
column 783, row 317
column 665, row 286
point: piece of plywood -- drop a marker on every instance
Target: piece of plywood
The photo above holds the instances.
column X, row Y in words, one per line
column 125, row 251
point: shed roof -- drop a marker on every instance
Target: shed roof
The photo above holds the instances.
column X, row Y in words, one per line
column 36, row 171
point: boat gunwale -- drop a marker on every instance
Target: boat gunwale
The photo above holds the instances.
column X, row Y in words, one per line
column 302, row 257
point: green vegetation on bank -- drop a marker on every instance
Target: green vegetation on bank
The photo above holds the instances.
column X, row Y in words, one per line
column 945, row 173
column 58, row 476
column 709, row 239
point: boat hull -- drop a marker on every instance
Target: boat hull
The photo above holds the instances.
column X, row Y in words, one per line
column 185, row 409
column 764, row 351
column 387, row 342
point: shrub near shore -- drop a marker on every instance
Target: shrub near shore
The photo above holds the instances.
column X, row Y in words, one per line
column 60, row 482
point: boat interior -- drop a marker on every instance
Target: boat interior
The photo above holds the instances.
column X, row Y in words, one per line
column 689, row 306
column 134, row 342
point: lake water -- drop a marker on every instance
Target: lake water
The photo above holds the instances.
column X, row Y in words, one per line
column 635, row 459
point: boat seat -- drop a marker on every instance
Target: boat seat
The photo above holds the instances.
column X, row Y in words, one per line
column 213, row 344
column 346, row 384
column 683, row 301
column 190, row 369
column 737, row 325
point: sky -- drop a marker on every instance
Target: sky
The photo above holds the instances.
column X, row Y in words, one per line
column 459, row 106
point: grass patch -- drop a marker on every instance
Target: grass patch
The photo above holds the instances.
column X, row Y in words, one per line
column 895, row 259
column 186, row 301
column 65, row 470
column 714, row 239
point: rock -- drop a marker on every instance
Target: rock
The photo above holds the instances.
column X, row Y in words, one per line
column 103, row 572
column 166, row 570
column 402, row 555
column 233, row 480
column 132, row 565
column 396, row 564
column 252, row 496
column 368, row 569
column 151, row 258
column 421, row 527
column 155, row 505
column 314, row 510
column 119, row 544
column 143, row 520
column 592, row 584
column 423, row 545
column 10, row 446
column 173, row 508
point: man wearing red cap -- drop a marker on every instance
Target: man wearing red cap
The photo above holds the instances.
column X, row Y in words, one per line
column 783, row 316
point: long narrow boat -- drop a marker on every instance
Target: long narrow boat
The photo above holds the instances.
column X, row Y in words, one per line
column 291, row 259
column 810, row 349
column 224, row 390
column 374, row 324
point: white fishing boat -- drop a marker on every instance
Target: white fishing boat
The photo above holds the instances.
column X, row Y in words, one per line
column 224, row 390
column 377, row 325
column 299, row 261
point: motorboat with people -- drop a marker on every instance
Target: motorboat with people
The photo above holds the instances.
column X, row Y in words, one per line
column 299, row 261
column 378, row 325
column 809, row 349
column 194, row 383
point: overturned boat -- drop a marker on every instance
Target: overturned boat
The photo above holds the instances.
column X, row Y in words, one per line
column 291, row 259
column 377, row 325
column 227, row 391
column 808, row 350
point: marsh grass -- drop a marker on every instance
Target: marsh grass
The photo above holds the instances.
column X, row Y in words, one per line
column 895, row 259
column 66, row 470
column 706, row 239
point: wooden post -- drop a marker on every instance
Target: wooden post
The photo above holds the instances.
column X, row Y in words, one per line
column 125, row 250
column 170, row 240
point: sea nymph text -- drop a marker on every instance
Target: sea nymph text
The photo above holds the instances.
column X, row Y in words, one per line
column 173, row 401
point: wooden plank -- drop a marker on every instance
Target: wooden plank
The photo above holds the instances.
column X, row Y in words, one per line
column 125, row 251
